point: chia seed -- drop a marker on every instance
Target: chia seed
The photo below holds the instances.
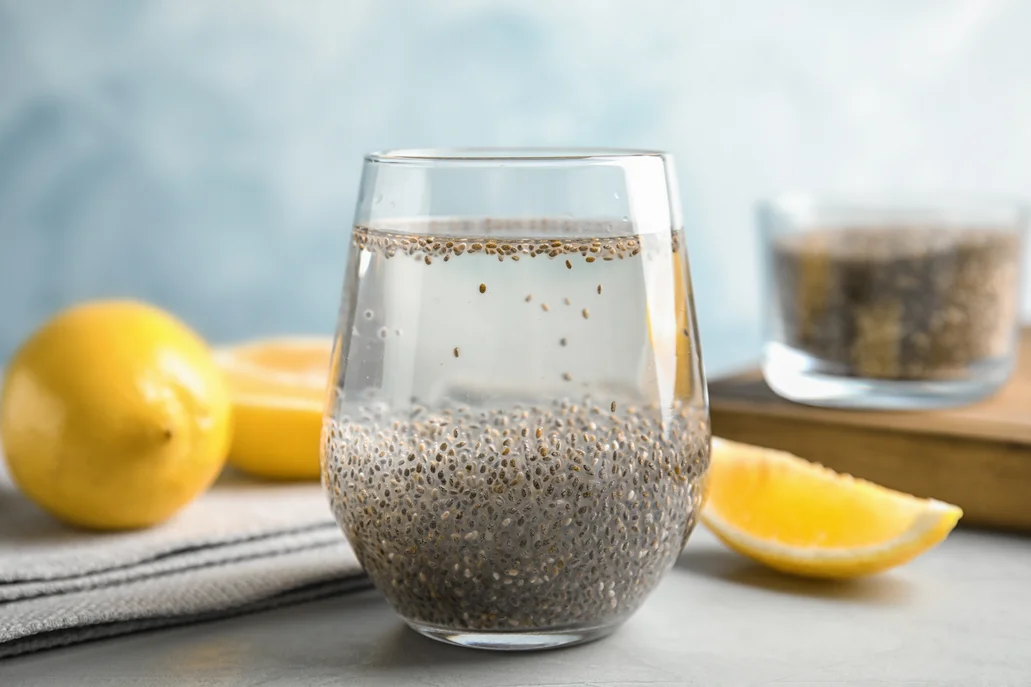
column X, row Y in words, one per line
column 478, row 512
column 905, row 303
column 573, row 527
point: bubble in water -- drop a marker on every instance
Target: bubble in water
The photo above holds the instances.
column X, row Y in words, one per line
column 626, row 219
column 397, row 332
column 383, row 332
column 379, row 198
column 368, row 314
column 616, row 196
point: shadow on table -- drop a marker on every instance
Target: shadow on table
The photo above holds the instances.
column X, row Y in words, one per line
column 884, row 590
column 402, row 646
column 383, row 644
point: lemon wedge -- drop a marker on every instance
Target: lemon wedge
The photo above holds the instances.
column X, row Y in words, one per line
column 804, row 519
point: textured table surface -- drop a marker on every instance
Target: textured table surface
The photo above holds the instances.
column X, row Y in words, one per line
column 961, row 615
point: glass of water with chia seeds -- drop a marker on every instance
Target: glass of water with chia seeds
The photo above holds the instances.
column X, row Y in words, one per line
column 517, row 433
column 891, row 303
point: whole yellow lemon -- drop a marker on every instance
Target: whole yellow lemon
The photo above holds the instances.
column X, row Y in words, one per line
column 114, row 415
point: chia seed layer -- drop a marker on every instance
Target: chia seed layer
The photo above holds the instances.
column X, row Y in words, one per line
column 522, row 518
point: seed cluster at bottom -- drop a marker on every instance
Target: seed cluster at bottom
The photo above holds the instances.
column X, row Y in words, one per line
column 516, row 519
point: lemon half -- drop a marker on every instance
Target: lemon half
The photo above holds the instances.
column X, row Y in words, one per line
column 278, row 389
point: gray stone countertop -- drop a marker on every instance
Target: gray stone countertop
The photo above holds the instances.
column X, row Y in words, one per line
column 959, row 615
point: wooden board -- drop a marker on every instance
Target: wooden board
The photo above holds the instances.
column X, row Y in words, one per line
column 978, row 457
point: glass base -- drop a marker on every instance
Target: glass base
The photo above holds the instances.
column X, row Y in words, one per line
column 531, row 640
column 802, row 378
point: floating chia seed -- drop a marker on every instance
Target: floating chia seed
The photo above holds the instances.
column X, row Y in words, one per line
column 418, row 246
column 902, row 303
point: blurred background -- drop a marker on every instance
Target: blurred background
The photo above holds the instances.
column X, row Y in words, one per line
column 206, row 155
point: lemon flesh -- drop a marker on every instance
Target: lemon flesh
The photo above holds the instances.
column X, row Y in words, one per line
column 802, row 518
column 278, row 388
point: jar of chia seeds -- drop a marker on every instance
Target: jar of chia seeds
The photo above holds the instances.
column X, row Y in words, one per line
column 891, row 303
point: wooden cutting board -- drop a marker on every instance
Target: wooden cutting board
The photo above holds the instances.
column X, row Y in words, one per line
column 978, row 457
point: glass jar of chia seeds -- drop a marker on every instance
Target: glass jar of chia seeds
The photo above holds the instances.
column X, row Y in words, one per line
column 517, row 433
column 908, row 303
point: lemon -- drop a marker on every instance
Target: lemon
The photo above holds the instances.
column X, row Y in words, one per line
column 278, row 387
column 114, row 416
column 805, row 519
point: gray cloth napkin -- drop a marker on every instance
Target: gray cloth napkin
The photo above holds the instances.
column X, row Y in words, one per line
column 243, row 546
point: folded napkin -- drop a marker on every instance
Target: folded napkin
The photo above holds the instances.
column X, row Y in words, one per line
column 243, row 546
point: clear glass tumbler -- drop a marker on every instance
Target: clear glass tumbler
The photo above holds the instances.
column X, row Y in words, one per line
column 891, row 303
column 517, row 433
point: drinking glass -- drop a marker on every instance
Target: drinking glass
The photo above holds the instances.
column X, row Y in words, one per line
column 517, row 432
column 903, row 302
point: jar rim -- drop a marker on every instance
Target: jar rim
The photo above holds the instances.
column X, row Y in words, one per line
column 944, row 199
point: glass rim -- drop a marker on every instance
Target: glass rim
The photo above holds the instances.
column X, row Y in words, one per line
column 530, row 156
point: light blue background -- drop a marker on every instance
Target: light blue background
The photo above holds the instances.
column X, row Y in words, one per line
column 205, row 155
